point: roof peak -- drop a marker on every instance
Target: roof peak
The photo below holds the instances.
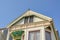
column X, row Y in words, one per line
column 29, row 13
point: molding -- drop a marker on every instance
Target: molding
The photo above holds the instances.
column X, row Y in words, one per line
column 29, row 25
column 28, row 13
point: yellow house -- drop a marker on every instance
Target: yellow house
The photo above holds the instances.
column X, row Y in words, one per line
column 32, row 26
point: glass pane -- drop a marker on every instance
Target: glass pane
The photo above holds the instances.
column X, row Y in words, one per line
column 48, row 35
column 37, row 35
column 34, row 35
column 31, row 19
column 31, row 35
column 26, row 20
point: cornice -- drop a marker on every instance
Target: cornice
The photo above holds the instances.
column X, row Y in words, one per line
column 29, row 25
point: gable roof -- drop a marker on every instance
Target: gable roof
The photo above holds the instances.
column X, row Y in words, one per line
column 28, row 13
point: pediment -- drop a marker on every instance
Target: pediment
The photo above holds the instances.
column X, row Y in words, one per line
column 38, row 17
column 35, row 19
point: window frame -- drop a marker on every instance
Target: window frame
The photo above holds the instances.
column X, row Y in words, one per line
column 28, row 19
column 34, row 33
column 31, row 18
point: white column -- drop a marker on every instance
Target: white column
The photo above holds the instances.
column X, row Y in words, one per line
column 42, row 34
column 8, row 35
column 26, row 35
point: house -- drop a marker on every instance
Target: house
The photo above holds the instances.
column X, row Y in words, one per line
column 31, row 26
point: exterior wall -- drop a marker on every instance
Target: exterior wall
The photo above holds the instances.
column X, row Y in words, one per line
column 42, row 32
column 32, row 27
column 36, row 19
column 20, row 22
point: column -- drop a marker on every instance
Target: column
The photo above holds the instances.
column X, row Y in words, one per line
column 42, row 34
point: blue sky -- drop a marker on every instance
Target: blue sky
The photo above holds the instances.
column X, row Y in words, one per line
column 11, row 9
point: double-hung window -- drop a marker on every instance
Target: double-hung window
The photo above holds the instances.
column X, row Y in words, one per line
column 34, row 35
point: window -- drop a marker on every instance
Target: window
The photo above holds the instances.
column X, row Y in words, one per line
column 48, row 35
column 28, row 19
column 31, row 19
column 35, row 35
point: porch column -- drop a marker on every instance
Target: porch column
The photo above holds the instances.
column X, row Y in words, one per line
column 42, row 35
column 8, row 35
column 26, row 35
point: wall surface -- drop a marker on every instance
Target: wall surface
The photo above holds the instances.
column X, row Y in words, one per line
column 1, row 36
column 20, row 22
column 36, row 19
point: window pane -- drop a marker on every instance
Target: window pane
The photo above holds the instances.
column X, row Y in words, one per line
column 48, row 35
column 26, row 20
column 34, row 35
column 31, row 19
column 37, row 36
column 31, row 35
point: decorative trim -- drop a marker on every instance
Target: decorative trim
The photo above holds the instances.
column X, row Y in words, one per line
column 29, row 25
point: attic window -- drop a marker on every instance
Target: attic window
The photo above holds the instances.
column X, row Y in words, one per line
column 31, row 19
column 28, row 19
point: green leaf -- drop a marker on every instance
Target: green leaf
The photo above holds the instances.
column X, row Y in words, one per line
column 17, row 33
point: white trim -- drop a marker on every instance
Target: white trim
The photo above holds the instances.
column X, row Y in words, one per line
column 8, row 35
column 28, row 13
column 42, row 32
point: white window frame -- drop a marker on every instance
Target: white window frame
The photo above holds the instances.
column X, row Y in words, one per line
column 42, row 32
column 28, row 19
column 33, row 31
